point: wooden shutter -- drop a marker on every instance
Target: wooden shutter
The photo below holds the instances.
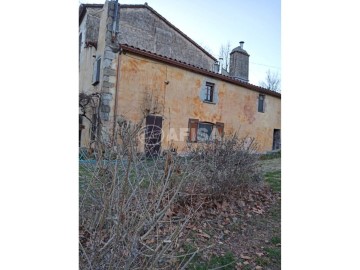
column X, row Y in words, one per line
column 220, row 129
column 193, row 128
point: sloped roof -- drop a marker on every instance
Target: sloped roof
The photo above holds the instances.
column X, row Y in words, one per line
column 199, row 70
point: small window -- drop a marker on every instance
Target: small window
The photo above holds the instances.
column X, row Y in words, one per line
column 261, row 103
column 209, row 95
column 96, row 74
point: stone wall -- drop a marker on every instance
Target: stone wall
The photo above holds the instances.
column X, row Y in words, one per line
column 141, row 28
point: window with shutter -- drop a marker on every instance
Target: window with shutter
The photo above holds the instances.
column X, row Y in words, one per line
column 193, row 129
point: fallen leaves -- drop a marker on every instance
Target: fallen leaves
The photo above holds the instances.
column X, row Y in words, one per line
column 205, row 235
column 245, row 257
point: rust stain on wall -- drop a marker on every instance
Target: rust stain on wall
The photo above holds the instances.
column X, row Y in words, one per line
column 236, row 107
column 179, row 75
column 249, row 110
column 197, row 84
column 133, row 65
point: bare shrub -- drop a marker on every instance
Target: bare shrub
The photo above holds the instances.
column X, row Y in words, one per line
column 125, row 204
column 224, row 165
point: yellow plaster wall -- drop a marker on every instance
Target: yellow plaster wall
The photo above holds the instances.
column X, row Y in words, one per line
column 180, row 100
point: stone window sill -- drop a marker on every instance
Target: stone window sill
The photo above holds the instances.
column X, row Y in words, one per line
column 209, row 102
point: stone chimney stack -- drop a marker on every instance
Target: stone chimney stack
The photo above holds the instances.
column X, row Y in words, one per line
column 239, row 63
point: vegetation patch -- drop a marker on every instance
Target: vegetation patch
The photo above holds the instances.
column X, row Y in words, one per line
column 208, row 210
column 226, row 262
column 271, row 155
column 274, row 180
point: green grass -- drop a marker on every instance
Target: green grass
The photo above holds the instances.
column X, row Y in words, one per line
column 274, row 253
column 271, row 155
column 262, row 261
column 274, row 180
column 227, row 262
column 276, row 240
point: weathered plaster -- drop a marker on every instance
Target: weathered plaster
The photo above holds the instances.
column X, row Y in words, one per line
column 236, row 106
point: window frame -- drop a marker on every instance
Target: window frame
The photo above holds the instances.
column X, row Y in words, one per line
column 210, row 89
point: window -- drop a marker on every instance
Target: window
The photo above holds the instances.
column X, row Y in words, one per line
column 209, row 95
column 261, row 103
column 96, row 74
column 276, row 140
column 205, row 131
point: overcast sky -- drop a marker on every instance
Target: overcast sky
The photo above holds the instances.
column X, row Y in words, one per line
column 211, row 23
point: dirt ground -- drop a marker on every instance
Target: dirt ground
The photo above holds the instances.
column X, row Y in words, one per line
column 247, row 226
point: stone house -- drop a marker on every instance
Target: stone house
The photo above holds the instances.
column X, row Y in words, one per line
column 130, row 55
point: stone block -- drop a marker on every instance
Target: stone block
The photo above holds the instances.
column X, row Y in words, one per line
column 109, row 55
column 108, row 84
column 109, row 71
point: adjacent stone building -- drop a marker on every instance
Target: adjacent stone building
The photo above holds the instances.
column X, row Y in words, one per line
column 130, row 55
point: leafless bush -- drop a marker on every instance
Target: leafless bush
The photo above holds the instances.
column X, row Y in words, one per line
column 124, row 208
column 224, row 165
column 127, row 201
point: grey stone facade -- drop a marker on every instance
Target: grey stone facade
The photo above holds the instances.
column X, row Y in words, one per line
column 142, row 28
